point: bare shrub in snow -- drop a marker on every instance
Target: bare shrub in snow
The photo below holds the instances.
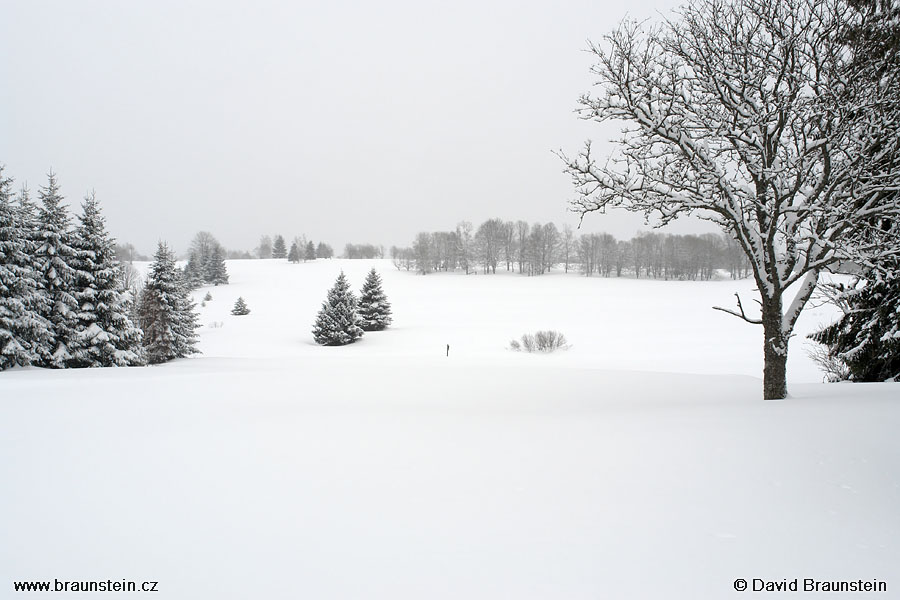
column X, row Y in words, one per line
column 834, row 368
column 541, row 341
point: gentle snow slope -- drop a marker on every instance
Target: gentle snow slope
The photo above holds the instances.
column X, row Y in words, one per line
column 611, row 323
column 272, row 468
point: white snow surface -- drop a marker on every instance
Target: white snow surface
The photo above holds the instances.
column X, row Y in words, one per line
column 640, row 463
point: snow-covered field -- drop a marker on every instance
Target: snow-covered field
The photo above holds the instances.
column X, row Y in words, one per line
column 640, row 463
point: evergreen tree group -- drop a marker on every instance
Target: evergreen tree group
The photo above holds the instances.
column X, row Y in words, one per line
column 343, row 319
column 62, row 302
column 24, row 331
column 374, row 308
column 206, row 262
column 338, row 322
column 323, row 250
column 301, row 249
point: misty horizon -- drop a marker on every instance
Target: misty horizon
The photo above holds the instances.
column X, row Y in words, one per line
column 346, row 124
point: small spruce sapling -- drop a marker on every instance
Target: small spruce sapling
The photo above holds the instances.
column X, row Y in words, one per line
column 240, row 308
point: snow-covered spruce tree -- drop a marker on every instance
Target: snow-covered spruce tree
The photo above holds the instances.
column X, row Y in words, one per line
column 310, row 253
column 278, row 248
column 338, row 322
column 105, row 334
column 166, row 311
column 28, row 218
column 56, row 256
column 30, row 223
column 188, row 321
column 374, row 308
column 217, row 274
column 23, row 331
column 193, row 271
column 867, row 338
column 747, row 114
column 240, row 307
column 294, row 255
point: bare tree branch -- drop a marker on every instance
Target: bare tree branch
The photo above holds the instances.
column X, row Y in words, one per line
column 740, row 314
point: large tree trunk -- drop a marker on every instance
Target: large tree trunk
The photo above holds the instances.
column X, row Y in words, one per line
column 775, row 346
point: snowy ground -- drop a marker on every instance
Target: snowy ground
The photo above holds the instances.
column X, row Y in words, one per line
column 641, row 463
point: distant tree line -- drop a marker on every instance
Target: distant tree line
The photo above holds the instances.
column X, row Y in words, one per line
column 535, row 249
column 127, row 253
column 301, row 249
column 363, row 251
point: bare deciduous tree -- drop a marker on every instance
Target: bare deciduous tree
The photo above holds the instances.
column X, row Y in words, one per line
column 264, row 250
column 466, row 247
column 488, row 240
column 509, row 244
column 422, row 251
column 744, row 113
column 568, row 244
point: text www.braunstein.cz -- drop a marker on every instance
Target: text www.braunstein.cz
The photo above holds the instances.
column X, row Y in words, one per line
column 86, row 586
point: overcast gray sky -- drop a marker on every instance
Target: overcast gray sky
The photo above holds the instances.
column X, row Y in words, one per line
column 344, row 121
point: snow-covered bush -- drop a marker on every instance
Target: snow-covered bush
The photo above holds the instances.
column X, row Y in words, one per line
column 540, row 341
